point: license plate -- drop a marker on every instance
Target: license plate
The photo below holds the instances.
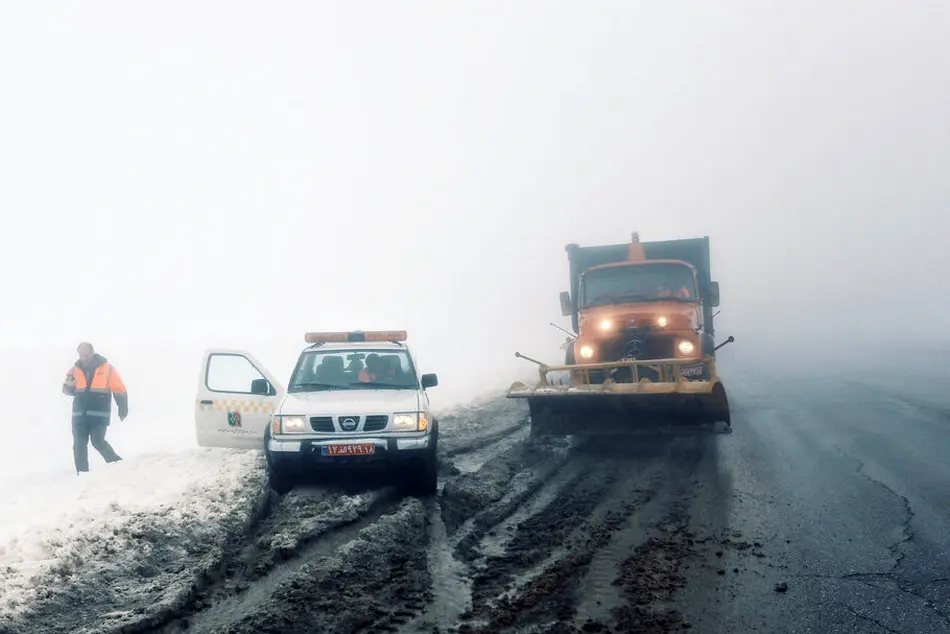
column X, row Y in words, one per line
column 693, row 370
column 360, row 449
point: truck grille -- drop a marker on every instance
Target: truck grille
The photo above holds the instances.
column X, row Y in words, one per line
column 322, row 424
column 648, row 347
column 375, row 423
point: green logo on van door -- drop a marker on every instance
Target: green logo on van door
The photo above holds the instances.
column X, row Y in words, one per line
column 234, row 419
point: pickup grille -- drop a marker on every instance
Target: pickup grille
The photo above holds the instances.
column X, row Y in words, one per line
column 322, row 424
column 375, row 423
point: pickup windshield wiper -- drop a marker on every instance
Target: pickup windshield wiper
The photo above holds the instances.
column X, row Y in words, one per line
column 297, row 386
column 392, row 386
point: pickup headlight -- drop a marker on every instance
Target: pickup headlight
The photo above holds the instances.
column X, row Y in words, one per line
column 586, row 352
column 290, row 425
column 410, row 421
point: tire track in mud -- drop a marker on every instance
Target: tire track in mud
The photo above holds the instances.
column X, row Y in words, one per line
column 455, row 521
column 461, row 447
column 373, row 583
column 573, row 541
column 543, row 562
column 295, row 532
column 649, row 579
column 472, row 458
column 513, row 472
column 299, row 532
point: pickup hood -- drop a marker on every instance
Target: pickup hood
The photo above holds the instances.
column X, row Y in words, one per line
column 679, row 315
column 358, row 402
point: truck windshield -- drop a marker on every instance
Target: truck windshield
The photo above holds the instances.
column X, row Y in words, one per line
column 353, row 370
column 638, row 283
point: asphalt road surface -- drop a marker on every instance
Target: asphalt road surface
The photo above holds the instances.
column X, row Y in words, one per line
column 826, row 510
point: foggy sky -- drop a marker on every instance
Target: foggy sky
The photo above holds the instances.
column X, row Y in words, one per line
column 191, row 175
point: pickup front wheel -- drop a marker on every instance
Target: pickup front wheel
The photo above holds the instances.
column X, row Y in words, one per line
column 423, row 479
column 279, row 473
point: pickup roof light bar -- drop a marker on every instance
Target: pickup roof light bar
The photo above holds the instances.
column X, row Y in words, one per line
column 356, row 335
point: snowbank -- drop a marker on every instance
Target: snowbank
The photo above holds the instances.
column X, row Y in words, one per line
column 128, row 538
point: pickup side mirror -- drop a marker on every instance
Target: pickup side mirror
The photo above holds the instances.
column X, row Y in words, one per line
column 714, row 294
column 429, row 380
column 567, row 306
column 261, row 387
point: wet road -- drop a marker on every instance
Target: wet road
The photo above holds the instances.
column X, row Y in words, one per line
column 826, row 510
column 845, row 486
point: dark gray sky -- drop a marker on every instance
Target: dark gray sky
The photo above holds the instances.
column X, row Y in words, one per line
column 237, row 173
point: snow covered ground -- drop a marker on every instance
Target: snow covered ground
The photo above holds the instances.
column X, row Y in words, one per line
column 140, row 528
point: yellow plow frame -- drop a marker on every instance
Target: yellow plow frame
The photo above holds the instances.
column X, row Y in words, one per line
column 582, row 406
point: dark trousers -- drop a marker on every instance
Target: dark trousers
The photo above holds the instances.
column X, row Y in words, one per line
column 87, row 429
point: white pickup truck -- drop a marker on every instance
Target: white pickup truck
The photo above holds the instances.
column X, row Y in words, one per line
column 354, row 399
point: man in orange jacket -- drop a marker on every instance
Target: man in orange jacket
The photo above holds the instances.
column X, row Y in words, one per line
column 93, row 382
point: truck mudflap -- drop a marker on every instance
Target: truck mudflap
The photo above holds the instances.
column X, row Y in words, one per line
column 659, row 395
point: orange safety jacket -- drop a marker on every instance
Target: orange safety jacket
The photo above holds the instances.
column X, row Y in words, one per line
column 368, row 377
column 92, row 398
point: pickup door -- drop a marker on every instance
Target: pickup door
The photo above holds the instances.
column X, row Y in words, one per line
column 236, row 397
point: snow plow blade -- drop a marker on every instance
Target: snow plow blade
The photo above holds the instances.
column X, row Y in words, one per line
column 650, row 397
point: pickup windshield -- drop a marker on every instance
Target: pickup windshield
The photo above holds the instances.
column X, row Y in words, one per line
column 637, row 283
column 353, row 370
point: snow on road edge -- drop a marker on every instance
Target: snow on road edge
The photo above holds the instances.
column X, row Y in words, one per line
column 133, row 534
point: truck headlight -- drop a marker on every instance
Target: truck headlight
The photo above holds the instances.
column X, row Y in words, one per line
column 290, row 424
column 685, row 347
column 410, row 421
column 606, row 324
column 661, row 321
column 587, row 352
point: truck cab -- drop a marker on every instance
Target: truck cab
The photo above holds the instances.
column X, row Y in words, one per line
column 641, row 301
column 353, row 400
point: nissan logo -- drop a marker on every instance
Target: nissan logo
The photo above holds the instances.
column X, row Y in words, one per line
column 348, row 424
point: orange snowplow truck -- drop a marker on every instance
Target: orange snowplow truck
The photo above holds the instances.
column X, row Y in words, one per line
column 643, row 349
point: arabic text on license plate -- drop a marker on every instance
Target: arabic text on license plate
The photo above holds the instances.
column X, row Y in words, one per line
column 362, row 449
column 693, row 370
